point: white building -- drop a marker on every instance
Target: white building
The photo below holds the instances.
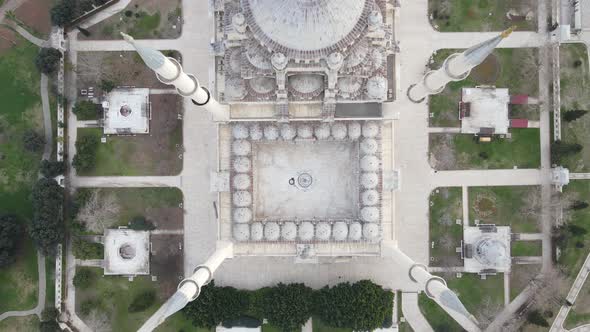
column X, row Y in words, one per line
column 484, row 110
column 127, row 111
column 126, row 252
column 486, row 249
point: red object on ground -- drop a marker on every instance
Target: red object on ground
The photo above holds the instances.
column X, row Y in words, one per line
column 519, row 99
column 519, row 123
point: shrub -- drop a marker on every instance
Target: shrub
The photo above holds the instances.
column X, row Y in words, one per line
column 128, row 13
column 288, row 307
column 142, row 301
column 47, row 60
column 32, row 141
column 86, row 148
column 141, row 224
column 215, row 305
column 573, row 115
column 86, row 109
column 361, row 306
column 10, row 235
column 579, row 205
column 49, row 326
column 51, row 169
column 87, row 250
column 84, row 278
column 560, row 150
column 107, row 86
column 87, row 306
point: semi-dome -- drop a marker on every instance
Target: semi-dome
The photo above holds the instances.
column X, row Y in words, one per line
column 256, row 231
column 491, row 252
column 304, row 29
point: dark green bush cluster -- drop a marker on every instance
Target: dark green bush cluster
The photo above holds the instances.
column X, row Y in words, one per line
column 362, row 306
column 87, row 250
column 142, row 301
column 47, row 226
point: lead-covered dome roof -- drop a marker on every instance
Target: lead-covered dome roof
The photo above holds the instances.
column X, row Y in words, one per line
column 304, row 29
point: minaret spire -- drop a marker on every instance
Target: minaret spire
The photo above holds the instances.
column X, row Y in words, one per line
column 170, row 72
column 455, row 68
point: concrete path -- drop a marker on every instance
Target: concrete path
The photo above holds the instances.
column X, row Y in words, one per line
column 163, row 92
column 167, row 232
column 126, row 181
column 506, row 289
column 90, row 262
column 571, row 297
column 46, row 117
column 529, row 236
column 87, row 123
column 579, row 176
column 412, row 313
column 41, row 295
column 527, row 260
column 28, row 36
column 70, row 300
column 582, row 328
column 465, row 205
column 475, row 178
column 444, row 130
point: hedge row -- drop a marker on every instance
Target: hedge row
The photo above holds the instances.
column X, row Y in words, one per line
column 362, row 306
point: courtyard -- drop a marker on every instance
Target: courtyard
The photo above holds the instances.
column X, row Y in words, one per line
column 333, row 193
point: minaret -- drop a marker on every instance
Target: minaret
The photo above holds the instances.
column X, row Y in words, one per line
column 455, row 68
column 434, row 287
column 170, row 72
column 189, row 288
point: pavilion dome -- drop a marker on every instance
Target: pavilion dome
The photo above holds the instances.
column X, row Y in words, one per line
column 256, row 231
column 305, row 29
column 491, row 252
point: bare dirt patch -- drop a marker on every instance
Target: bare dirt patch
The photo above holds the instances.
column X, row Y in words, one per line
column 8, row 39
column 122, row 68
column 167, row 262
column 169, row 218
column 484, row 206
column 35, row 14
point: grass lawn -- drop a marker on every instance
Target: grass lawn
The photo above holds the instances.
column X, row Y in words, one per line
column 134, row 156
column 445, row 209
column 20, row 324
column 270, row 328
column 517, row 207
column 473, row 292
column 21, row 110
column 114, row 294
column 50, row 282
column 571, row 257
column 481, row 15
column 526, row 248
column 161, row 206
column 520, row 277
column 142, row 19
column 319, row 326
column 458, row 151
column 514, row 69
column 575, row 84
column 18, row 282
column 437, row 317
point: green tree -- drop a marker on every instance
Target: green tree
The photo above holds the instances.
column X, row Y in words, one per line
column 579, row 205
column 86, row 110
column 362, row 306
column 288, row 306
column 107, row 86
column 142, row 301
column 49, row 326
column 51, row 169
column 86, row 148
column 84, row 278
column 47, row 226
column 560, row 150
column 32, row 141
column 535, row 317
column 49, row 313
column 47, row 60
column 573, row 115
column 63, row 12
column 10, row 235
column 215, row 305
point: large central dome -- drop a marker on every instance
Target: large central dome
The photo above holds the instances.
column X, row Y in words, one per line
column 306, row 28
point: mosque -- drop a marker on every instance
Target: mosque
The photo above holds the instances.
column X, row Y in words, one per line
column 305, row 165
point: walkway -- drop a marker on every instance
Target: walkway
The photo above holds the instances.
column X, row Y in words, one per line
column 572, row 296
column 41, row 295
column 46, row 118
column 412, row 313
column 126, row 181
